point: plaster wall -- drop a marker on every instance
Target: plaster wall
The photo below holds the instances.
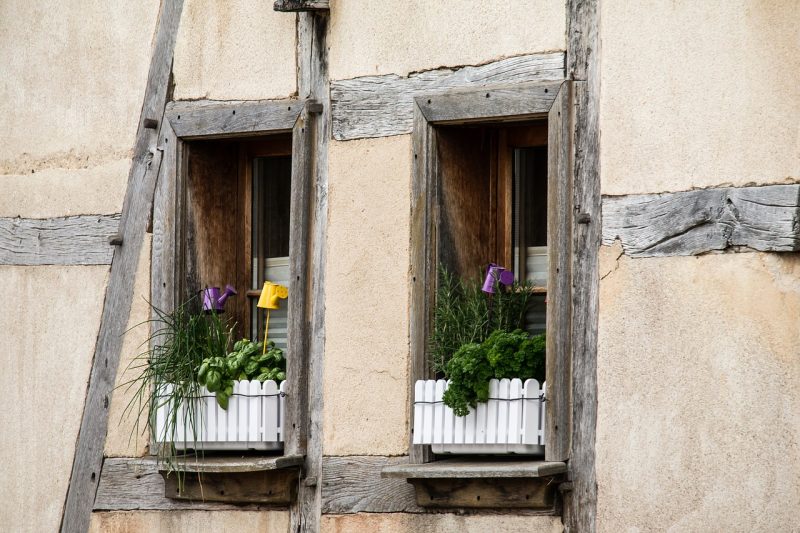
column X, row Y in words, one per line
column 235, row 50
column 698, row 94
column 73, row 80
column 373, row 37
column 698, row 393
column 366, row 406
column 189, row 521
column 49, row 337
column 438, row 523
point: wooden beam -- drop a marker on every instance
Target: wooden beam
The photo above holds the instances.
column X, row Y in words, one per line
column 486, row 493
column 355, row 485
column 74, row 240
column 227, row 464
column 129, row 484
column 272, row 487
column 301, row 5
column 209, row 118
column 378, row 106
column 477, row 468
column 519, row 102
column 136, row 210
column 762, row 219
column 583, row 44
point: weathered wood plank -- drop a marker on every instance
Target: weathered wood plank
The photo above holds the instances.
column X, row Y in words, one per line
column 227, row 464
column 164, row 250
column 355, row 485
column 128, row 484
column 694, row 222
column 75, row 240
column 518, row 102
column 136, row 211
column 301, row 5
column 559, row 303
column 378, row 106
column 209, row 118
column 470, row 469
column 494, row 493
column 273, row 487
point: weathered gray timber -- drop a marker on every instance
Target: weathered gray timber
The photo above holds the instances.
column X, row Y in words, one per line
column 764, row 218
column 301, row 5
column 580, row 504
column 129, row 484
column 313, row 84
column 559, row 298
column 469, row 469
column 227, row 464
column 486, row 493
column 520, row 101
column 378, row 106
column 75, row 240
column 209, row 118
column 88, row 461
column 355, row 485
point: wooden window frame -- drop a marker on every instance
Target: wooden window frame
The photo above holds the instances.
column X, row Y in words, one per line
column 191, row 121
column 552, row 101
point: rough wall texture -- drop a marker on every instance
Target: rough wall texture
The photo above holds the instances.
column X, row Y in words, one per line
column 125, row 438
column 717, row 78
column 699, row 390
column 234, row 50
column 49, row 337
column 366, row 298
column 72, row 87
column 378, row 37
column 189, row 521
column 438, row 523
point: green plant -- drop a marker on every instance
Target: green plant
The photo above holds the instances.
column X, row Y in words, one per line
column 464, row 314
column 246, row 362
column 503, row 355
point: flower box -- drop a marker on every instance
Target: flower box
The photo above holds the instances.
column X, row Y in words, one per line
column 511, row 422
column 253, row 420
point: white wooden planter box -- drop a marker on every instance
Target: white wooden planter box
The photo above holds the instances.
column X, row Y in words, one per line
column 511, row 422
column 253, row 420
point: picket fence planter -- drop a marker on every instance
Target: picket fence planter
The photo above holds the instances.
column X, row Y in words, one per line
column 253, row 420
column 511, row 422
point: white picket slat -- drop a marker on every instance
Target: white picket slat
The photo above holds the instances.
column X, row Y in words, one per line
column 281, row 418
column 542, row 407
column 271, row 408
column 419, row 392
column 427, row 419
column 438, row 412
column 491, row 412
column 253, row 411
column 513, row 431
column 502, row 412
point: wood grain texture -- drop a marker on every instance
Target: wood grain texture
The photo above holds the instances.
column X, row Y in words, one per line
column 129, row 484
column 136, row 210
column 164, row 251
column 273, row 487
column 486, row 493
column 583, row 44
column 355, row 485
column 301, row 5
column 74, row 240
column 209, row 118
column 228, row 464
column 693, row 222
column 477, row 468
column 378, row 106
column 559, row 303
column 520, row 102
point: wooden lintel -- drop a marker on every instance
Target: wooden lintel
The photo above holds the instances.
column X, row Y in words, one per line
column 301, row 5
column 486, row 493
column 210, row 118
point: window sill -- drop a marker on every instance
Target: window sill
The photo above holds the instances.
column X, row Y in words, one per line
column 481, row 484
column 265, row 480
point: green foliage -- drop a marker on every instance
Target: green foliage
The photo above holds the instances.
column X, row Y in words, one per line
column 464, row 314
column 246, row 362
column 503, row 355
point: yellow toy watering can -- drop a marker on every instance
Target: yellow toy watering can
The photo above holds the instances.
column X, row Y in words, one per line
column 270, row 294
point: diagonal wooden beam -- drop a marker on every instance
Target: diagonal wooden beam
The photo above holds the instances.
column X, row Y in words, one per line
column 145, row 165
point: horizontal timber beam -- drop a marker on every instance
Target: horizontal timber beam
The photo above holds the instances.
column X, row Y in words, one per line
column 379, row 106
column 214, row 118
column 301, row 5
column 762, row 219
column 74, row 240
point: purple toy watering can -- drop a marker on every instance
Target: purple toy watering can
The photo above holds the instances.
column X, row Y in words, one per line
column 213, row 301
column 499, row 274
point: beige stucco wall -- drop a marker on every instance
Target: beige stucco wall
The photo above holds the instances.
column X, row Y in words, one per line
column 378, row 37
column 235, row 50
column 190, row 521
column 124, row 437
column 699, row 393
column 366, row 402
column 49, row 332
column 698, row 94
column 438, row 523
column 73, row 80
